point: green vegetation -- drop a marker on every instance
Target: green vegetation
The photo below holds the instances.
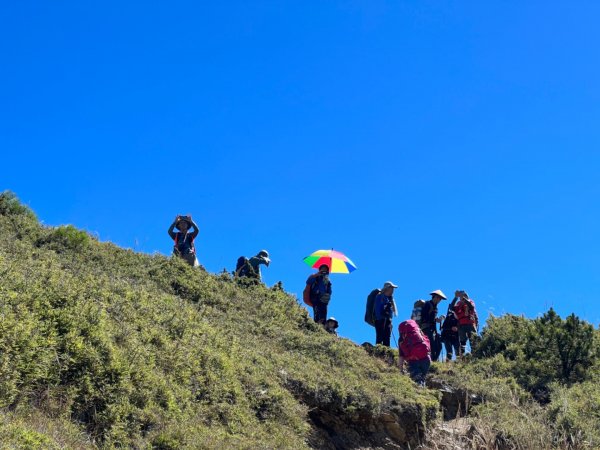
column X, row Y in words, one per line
column 103, row 347
column 542, row 351
column 538, row 381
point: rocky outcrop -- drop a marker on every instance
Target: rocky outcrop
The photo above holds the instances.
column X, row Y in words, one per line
column 336, row 427
column 455, row 402
column 397, row 428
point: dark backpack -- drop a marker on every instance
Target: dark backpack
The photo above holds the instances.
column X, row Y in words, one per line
column 309, row 289
column 241, row 267
column 370, row 308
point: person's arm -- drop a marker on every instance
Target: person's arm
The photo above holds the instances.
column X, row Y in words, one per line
column 377, row 306
column 475, row 316
column 196, row 229
column 457, row 309
column 400, row 359
column 170, row 231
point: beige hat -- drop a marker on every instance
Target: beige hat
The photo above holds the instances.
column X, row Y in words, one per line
column 440, row 293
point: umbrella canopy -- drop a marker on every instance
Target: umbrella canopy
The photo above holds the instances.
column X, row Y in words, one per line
column 336, row 261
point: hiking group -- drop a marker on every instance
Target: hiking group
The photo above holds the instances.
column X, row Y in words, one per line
column 419, row 341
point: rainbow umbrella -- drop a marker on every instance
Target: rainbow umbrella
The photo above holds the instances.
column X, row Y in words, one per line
column 337, row 261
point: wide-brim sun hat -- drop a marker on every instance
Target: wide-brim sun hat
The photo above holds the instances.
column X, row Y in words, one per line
column 440, row 293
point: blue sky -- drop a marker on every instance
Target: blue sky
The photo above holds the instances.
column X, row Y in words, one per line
column 441, row 145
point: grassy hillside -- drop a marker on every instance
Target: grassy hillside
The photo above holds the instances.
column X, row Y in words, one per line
column 104, row 347
column 101, row 347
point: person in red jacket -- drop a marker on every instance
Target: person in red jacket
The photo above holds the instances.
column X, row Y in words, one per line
column 414, row 348
column 468, row 322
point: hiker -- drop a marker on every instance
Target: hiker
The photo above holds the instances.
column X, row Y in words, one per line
column 385, row 309
column 184, row 238
column 468, row 321
column 331, row 326
column 414, row 348
column 317, row 293
column 417, row 310
column 429, row 321
column 449, row 330
column 251, row 267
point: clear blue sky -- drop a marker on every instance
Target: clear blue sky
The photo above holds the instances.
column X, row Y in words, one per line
column 441, row 145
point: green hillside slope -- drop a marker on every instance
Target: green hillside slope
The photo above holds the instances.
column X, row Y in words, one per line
column 104, row 347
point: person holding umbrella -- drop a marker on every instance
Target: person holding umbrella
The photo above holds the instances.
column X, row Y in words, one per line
column 385, row 309
column 317, row 293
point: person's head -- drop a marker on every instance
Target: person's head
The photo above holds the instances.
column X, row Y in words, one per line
column 437, row 296
column 265, row 256
column 182, row 224
column 332, row 323
column 388, row 288
column 464, row 295
column 419, row 303
column 324, row 269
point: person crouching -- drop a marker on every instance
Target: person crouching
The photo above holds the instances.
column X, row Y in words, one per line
column 415, row 349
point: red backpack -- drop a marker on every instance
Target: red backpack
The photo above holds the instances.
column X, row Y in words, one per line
column 414, row 344
column 465, row 312
column 308, row 289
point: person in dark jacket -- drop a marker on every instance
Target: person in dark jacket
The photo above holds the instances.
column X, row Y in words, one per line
column 331, row 326
column 261, row 258
column 184, row 246
column 450, row 331
column 429, row 321
column 319, row 288
column 251, row 267
column 384, row 308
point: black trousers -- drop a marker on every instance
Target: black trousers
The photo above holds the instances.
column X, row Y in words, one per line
column 452, row 344
column 319, row 311
column 466, row 333
column 383, row 331
column 435, row 341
